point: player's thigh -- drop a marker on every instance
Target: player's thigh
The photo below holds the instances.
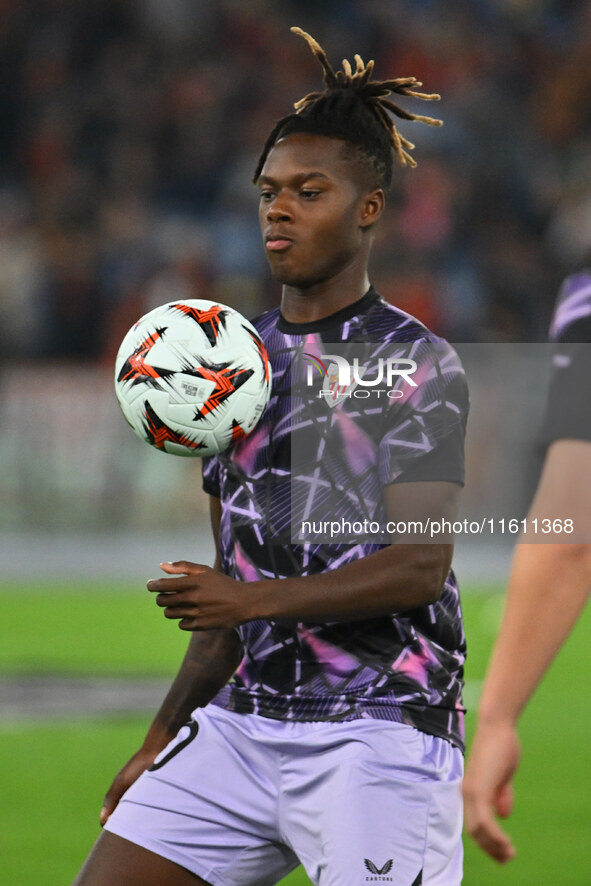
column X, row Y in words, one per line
column 115, row 861
column 384, row 805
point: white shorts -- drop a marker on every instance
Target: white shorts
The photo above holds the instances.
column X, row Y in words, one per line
column 241, row 800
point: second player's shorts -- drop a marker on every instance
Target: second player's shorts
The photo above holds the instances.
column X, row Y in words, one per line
column 241, row 800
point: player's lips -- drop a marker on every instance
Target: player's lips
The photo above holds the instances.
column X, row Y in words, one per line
column 277, row 242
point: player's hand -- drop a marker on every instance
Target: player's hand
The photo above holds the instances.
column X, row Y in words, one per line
column 488, row 792
column 200, row 597
column 124, row 780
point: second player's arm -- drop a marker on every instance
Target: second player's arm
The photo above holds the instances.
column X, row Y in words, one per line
column 548, row 588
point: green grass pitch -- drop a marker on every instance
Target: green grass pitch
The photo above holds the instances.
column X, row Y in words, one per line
column 54, row 772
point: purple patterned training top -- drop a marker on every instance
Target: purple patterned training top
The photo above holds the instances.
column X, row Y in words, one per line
column 403, row 667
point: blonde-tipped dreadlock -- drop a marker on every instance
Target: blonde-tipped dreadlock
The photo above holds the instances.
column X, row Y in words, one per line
column 354, row 108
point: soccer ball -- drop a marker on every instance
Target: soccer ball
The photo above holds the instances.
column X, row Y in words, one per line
column 192, row 377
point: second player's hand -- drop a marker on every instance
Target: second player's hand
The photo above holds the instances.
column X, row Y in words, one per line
column 488, row 791
column 200, row 597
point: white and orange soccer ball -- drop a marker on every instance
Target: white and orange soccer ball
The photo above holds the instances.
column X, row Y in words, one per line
column 192, row 377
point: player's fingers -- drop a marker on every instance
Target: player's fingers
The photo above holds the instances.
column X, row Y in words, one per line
column 106, row 812
column 178, row 611
column 179, row 600
column 495, row 842
column 191, row 624
column 179, row 567
column 171, row 585
column 111, row 800
column 123, row 780
column 485, row 831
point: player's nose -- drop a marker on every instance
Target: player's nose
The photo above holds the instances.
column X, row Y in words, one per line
column 280, row 210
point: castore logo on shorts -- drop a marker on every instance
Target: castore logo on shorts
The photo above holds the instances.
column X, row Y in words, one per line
column 380, row 873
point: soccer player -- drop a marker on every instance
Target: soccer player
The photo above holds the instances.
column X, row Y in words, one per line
column 549, row 584
column 317, row 715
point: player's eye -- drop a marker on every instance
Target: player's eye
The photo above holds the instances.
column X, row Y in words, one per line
column 309, row 194
column 266, row 196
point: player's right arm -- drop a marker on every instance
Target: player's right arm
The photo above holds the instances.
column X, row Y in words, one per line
column 210, row 660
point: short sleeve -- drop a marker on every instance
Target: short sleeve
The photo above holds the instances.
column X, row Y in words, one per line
column 568, row 405
column 211, row 476
column 423, row 439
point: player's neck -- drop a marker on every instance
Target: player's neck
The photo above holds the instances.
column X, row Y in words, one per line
column 322, row 299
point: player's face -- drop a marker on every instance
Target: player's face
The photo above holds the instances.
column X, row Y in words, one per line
column 314, row 210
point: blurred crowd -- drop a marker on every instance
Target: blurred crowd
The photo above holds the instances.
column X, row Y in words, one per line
column 130, row 129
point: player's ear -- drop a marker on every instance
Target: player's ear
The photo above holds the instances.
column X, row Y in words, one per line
column 372, row 208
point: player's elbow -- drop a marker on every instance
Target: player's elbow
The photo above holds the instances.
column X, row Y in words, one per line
column 432, row 590
column 573, row 563
column 431, row 566
column 579, row 555
column 568, row 560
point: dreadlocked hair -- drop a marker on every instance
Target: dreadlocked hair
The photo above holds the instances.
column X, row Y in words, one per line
column 355, row 109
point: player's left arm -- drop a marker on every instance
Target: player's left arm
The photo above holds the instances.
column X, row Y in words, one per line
column 395, row 578
column 548, row 589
